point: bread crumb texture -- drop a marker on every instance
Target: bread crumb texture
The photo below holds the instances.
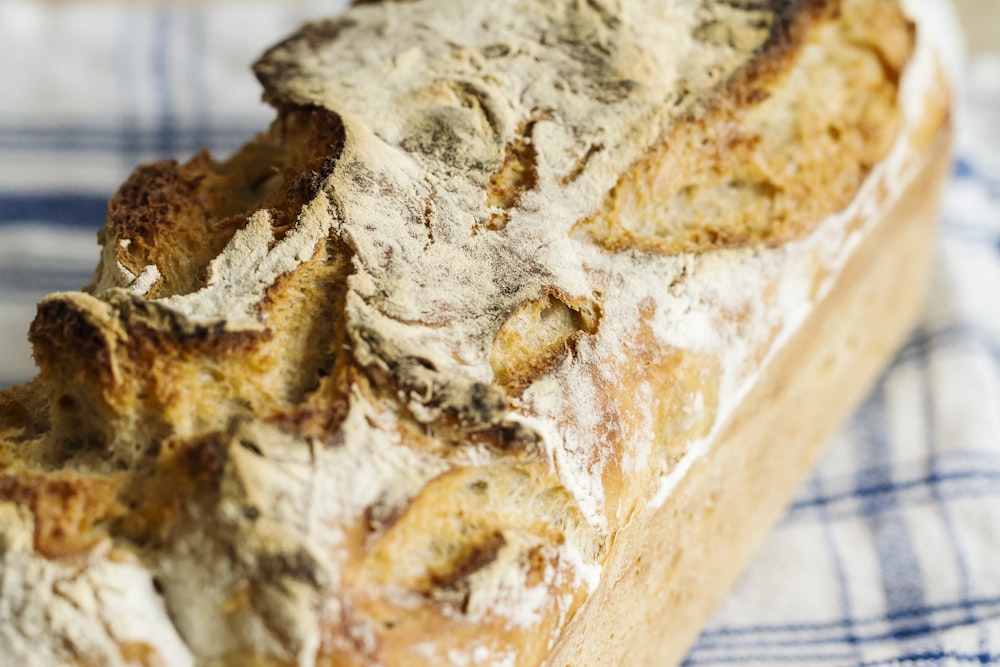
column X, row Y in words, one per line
column 381, row 388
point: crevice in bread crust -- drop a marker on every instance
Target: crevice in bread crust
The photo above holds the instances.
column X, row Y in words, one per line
column 517, row 174
column 538, row 335
column 178, row 218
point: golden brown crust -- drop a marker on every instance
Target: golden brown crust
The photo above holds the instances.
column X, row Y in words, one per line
column 70, row 511
column 180, row 217
column 706, row 529
column 788, row 143
column 400, row 404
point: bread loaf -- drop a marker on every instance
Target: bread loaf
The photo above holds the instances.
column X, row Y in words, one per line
column 502, row 346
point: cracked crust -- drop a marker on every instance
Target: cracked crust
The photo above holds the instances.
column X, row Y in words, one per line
column 388, row 386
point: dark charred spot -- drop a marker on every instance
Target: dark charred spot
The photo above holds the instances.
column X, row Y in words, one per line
column 506, row 439
column 516, row 437
column 382, row 515
column 251, row 447
column 205, row 457
column 471, row 561
column 157, row 330
column 577, row 170
column 425, row 363
column 757, row 95
column 608, row 15
column 313, row 420
column 496, row 50
column 147, row 342
column 484, row 405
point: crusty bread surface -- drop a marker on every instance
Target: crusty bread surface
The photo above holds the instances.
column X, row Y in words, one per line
column 475, row 355
column 673, row 562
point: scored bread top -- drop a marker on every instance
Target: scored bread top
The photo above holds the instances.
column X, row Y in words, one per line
column 383, row 386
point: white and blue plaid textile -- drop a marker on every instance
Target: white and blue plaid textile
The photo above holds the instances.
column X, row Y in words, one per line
column 889, row 555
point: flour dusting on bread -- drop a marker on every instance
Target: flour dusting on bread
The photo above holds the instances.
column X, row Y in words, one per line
column 386, row 384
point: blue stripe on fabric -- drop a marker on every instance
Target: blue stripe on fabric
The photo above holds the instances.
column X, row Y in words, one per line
column 933, row 446
column 905, row 629
column 66, row 208
column 840, row 571
column 127, row 58
column 821, row 626
column 163, row 88
column 962, row 168
column 898, row 635
column 926, row 657
column 922, row 343
column 196, row 80
column 938, row 656
column 966, row 170
column 902, row 579
column 707, row 641
column 971, row 234
column 42, row 280
column 770, row 658
column 124, row 136
column 895, row 487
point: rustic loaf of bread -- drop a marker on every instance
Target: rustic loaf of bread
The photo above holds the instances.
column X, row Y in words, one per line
column 502, row 346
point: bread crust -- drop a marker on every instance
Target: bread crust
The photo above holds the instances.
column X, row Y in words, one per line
column 429, row 375
column 666, row 586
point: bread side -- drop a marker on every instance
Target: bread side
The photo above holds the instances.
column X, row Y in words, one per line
column 384, row 387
